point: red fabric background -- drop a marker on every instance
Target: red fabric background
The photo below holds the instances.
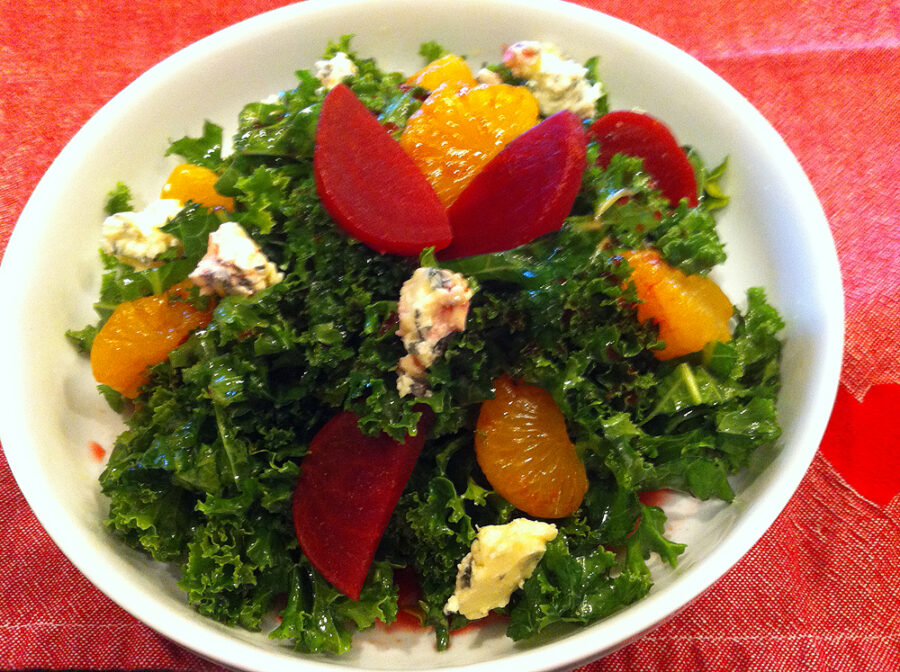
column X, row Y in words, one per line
column 821, row 590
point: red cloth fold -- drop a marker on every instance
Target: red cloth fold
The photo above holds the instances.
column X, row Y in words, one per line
column 821, row 590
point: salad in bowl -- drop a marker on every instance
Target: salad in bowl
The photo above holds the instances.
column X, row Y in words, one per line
column 425, row 344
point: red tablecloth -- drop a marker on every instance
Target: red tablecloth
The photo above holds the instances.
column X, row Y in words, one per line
column 821, row 590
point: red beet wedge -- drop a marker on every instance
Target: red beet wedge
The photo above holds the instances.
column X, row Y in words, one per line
column 348, row 487
column 369, row 185
column 637, row 134
column 525, row 191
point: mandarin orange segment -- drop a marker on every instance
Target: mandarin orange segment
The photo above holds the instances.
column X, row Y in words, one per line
column 188, row 182
column 142, row 333
column 690, row 310
column 448, row 68
column 458, row 130
column 522, row 447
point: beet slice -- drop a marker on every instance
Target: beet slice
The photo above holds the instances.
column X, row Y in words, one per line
column 638, row 134
column 348, row 488
column 525, row 191
column 369, row 185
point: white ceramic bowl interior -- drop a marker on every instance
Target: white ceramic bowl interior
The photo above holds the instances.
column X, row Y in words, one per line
column 776, row 234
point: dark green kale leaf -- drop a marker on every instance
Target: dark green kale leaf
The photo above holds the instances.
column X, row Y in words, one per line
column 282, row 129
column 122, row 282
column 592, row 65
column 710, row 193
column 263, row 195
column 118, row 199
column 686, row 387
column 687, row 238
column 621, row 201
column 82, row 339
column 758, row 346
column 431, row 51
column 236, row 563
column 204, row 151
column 320, row 619
column 433, row 532
column 612, row 511
column 146, row 513
column 649, row 538
column 115, row 400
column 192, row 227
column 578, row 580
column 576, row 587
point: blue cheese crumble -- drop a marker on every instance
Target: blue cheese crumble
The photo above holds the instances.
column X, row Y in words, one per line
column 433, row 304
column 234, row 264
column 335, row 70
column 135, row 237
column 501, row 559
column 558, row 83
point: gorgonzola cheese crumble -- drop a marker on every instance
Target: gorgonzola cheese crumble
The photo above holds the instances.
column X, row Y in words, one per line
column 501, row 559
column 557, row 83
column 234, row 264
column 433, row 304
column 333, row 71
column 135, row 237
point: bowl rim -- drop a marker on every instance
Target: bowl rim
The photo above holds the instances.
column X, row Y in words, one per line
column 566, row 653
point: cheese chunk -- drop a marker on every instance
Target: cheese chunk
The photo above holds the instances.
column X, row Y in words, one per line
column 500, row 561
column 135, row 237
column 234, row 264
column 333, row 71
column 433, row 304
column 558, row 83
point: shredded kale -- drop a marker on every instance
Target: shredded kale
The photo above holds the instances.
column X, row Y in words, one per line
column 204, row 474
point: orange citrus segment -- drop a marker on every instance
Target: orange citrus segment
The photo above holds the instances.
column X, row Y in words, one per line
column 690, row 310
column 523, row 449
column 188, row 182
column 458, row 130
column 142, row 333
column 448, row 68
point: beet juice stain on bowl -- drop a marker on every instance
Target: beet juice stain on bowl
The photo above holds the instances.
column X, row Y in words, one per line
column 98, row 452
column 810, row 368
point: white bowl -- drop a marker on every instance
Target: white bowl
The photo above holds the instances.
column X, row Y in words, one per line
column 774, row 228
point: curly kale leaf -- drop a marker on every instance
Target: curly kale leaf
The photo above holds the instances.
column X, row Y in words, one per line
column 431, row 51
column 698, row 427
column 687, row 238
column 578, row 587
column 592, row 65
column 622, row 201
column 286, row 128
column 320, row 619
column 145, row 512
column 236, row 563
column 83, row 338
column 579, row 581
column 118, row 199
column 433, row 532
column 205, row 150
column 649, row 538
